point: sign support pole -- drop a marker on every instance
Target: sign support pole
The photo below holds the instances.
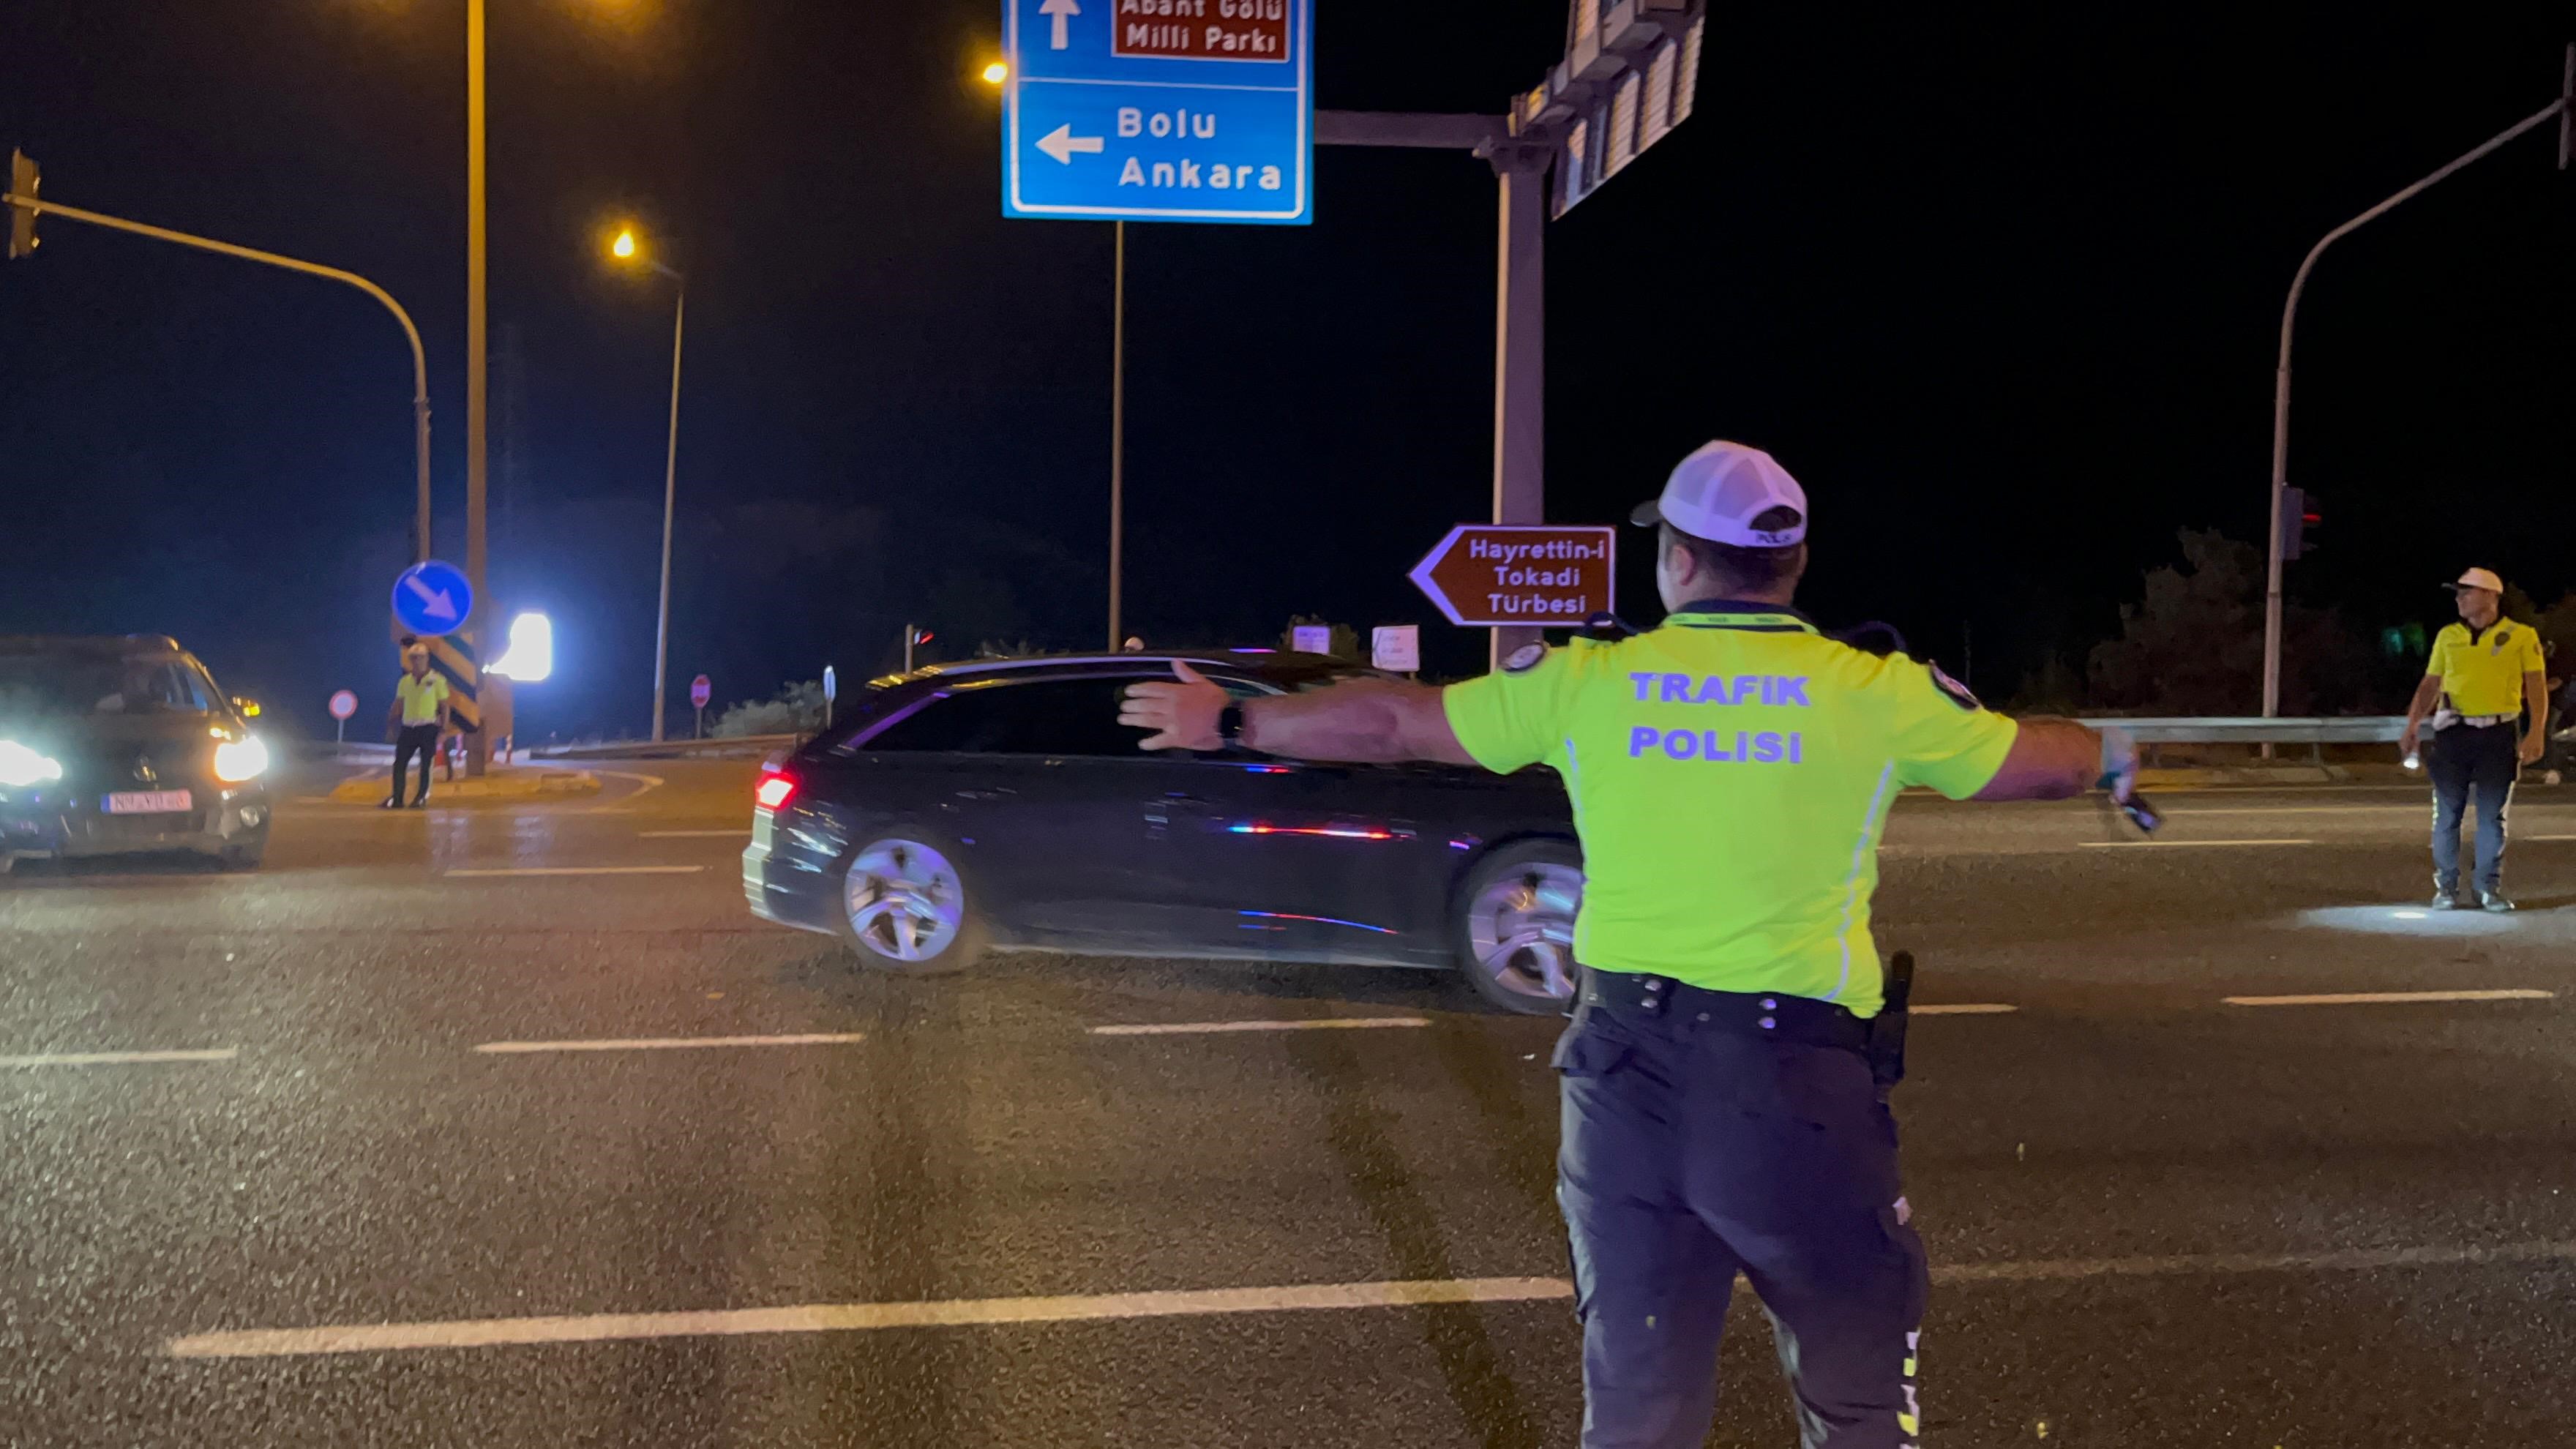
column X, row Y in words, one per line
column 1117, row 447
column 1520, row 357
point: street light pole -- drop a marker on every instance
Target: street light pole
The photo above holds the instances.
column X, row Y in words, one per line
column 2281, row 369
column 411, row 333
column 1117, row 439
column 478, row 750
column 670, row 494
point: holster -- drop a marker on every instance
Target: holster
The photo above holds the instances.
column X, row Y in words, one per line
column 1887, row 1029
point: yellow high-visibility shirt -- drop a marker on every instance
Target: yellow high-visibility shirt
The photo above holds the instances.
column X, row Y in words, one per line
column 1731, row 773
column 420, row 698
column 2482, row 671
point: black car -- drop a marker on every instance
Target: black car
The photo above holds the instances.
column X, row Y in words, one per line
column 999, row 804
column 121, row 746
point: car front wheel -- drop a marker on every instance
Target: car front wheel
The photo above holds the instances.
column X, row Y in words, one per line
column 1516, row 926
column 904, row 908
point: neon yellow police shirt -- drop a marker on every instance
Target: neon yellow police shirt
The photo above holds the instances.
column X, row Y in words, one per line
column 2482, row 674
column 1731, row 773
column 420, row 698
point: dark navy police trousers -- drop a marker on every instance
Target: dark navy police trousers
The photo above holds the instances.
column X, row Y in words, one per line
column 1707, row 1134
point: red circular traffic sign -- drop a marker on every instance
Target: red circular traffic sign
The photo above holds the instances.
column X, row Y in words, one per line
column 343, row 705
column 700, row 691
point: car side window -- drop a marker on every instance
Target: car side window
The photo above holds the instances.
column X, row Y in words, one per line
column 1048, row 717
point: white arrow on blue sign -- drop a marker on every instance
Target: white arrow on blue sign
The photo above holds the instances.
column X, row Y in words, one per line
column 1159, row 110
column 433, row 598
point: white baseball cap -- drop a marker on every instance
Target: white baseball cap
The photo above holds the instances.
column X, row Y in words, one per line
column 2478, row 579
column 1719, row 490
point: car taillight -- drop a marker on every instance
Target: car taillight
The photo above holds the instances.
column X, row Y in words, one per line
column 774, row 791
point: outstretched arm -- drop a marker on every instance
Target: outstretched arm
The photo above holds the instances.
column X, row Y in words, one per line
column 1359, row 720
column 2055, row 759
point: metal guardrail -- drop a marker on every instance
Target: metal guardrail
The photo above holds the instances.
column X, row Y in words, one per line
column 2357, row 729
column 669, row 749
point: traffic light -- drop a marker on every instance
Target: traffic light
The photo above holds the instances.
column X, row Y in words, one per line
column 23, row 181
column 2298, row 515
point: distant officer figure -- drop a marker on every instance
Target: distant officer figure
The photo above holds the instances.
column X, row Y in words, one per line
column 2486, row 675
column 1731, row 772
column 418, row 717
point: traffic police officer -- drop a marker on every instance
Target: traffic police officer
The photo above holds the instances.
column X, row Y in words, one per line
column 1731, row 772
column 2486, row 676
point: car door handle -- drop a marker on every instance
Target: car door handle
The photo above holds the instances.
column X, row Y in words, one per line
column 993, row 794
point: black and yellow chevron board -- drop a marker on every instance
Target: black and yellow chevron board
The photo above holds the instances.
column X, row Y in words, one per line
column 453, row 655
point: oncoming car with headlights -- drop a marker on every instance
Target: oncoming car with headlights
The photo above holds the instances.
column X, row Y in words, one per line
column 124, row 746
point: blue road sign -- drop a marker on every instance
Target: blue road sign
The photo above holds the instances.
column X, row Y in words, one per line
column 432, row 598
column 1159, row 110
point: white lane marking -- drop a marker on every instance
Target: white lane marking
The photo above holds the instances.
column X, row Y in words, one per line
column 847, row 1317
column 690, row 834
column 1195, row 1028
column 2209, row 1264
column 2545, row 837
column 2379, row 998
column 667, row 1043
column 580, row 870
column 2196, row 811
column 118, row 1059
column 1963, row 1008
column 1072, row 1308
column 2173, row 844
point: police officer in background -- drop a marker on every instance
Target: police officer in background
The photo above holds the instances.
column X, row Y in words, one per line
column 1731, row 772
column 2486, row 676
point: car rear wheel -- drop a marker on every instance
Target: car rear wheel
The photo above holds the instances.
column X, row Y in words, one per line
column 904, row 907
column 1516, row 926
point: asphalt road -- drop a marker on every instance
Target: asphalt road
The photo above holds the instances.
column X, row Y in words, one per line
column 951, row 1212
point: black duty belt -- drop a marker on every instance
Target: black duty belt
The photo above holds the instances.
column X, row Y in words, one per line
column 1801, row 1019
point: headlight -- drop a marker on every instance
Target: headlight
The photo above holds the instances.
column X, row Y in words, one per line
column 242, row 759
column 21, row 766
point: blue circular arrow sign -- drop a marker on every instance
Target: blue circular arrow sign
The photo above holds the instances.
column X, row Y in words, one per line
column 433, row 598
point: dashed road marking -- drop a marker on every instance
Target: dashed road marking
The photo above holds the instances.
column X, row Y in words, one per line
column 2380, row 998
column 668, row 1043
column 1197, row 1028
column 576, row 870
column 119, row 1059
column 1962, row 1008
column 2197, row 811
column 2177, row 844
column 1308, row 1297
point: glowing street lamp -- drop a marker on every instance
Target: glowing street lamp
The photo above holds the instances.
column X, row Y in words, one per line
column 996, row 73
column 626, row 249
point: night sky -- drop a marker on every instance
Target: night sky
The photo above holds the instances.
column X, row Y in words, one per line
column 2001, row 289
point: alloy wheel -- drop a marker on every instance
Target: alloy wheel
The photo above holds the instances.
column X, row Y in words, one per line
column 904, row 900
column 1521, row 927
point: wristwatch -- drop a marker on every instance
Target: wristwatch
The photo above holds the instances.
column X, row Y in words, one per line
column 1229, row 725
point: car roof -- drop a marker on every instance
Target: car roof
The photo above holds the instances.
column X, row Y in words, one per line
column 106, row 645
column 1276, row 666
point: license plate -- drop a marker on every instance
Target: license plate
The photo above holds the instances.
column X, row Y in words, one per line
column 151, row 802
